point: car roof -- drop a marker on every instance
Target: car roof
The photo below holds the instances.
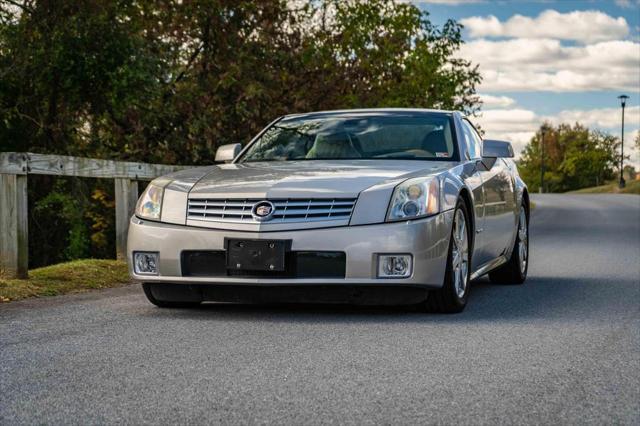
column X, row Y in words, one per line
column 364, row 111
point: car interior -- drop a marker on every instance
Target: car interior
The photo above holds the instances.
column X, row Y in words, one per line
column 353, row 139
column 422, row 142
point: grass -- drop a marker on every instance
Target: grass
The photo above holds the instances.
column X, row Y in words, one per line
column 70, row 277
column 632, row 187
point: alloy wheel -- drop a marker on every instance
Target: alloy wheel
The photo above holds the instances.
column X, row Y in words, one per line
column 460, row 254
column 523, row 237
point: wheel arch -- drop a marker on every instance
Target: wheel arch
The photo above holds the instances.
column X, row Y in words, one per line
column 527, row 203
column 466, row 198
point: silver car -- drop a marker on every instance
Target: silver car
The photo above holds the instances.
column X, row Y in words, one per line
column 357, row 206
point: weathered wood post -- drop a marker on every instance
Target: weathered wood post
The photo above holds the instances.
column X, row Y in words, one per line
column 14, row 237
column 14, row 168
column 126, row 198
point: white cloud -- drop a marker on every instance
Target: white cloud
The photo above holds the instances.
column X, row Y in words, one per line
column 448, row 2
column 524, row 54
column 524, row 120
column 530, row 56
column 520, row 125
column 627, row 4
column 514, row 125
column 545, row 64
column 581, row 26
column 496, row 101
column 604, row 118
column 519, row 140
column 508, row 120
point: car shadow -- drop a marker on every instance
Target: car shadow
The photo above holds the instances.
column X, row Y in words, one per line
column 539, row 298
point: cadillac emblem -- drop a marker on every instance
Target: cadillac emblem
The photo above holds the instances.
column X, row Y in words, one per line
column 263, row 211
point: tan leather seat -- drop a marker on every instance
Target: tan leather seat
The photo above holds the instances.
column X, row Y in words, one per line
column 333, row 145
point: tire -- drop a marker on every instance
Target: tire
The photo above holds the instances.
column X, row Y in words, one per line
column 514, row 272
column 148, row 291
column 453, row 295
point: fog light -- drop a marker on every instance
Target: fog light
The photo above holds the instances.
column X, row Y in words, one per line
column 145, row 263
column 394, row 265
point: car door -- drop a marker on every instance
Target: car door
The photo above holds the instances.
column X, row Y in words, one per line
column 499, row 200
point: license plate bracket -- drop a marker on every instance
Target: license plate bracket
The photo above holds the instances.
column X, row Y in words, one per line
column 256, row 255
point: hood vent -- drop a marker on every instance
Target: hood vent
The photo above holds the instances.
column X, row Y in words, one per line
column 233, row 210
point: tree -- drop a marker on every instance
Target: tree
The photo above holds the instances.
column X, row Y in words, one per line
column 169, row 82
column 629, row 172
column 384, row 53
column 574, row 157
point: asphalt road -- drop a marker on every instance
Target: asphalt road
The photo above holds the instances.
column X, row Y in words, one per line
column 562, row 348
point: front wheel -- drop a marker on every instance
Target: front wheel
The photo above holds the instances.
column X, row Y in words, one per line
column 453, row 295
column 515, row 270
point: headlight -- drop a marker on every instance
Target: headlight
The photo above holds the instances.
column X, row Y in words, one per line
column 414, row 198
column 150, row 203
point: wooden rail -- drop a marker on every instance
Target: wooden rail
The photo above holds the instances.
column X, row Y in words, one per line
column 16, row 166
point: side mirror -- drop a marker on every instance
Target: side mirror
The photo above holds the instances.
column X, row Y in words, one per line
column 496, row 149
column 226, row 153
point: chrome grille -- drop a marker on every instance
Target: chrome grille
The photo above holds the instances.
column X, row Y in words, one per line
column 286, row 210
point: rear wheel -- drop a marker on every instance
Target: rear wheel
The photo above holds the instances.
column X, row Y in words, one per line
column 453, row 295
column 515, row 270
column 150, row 289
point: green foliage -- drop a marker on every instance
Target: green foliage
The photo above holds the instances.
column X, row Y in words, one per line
column 574, row 157
column 629, row 172
column 380, row 53
column 61, row 221
column 171, row 81
column 72, row 219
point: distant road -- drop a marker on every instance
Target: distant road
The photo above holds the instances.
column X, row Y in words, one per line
column 563, row 348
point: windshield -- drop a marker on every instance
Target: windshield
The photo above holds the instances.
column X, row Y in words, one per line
column 424, row 136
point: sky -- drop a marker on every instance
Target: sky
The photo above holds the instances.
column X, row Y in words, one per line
column 550, row 60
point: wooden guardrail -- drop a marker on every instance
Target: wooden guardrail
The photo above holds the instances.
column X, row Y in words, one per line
column 16, row 166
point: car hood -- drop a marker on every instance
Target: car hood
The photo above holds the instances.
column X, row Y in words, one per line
column 308, row 179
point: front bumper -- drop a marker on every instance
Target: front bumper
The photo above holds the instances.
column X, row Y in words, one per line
column 427, row 240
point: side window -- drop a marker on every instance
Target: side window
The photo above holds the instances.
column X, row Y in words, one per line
column 472, row 139
column 468, row 140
